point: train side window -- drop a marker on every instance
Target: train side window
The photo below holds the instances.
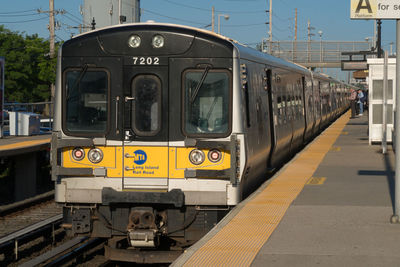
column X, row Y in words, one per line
column 146, row 111
column 86, row 105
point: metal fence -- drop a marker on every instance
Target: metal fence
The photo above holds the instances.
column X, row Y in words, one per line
column 43, row 108
column 304, row 52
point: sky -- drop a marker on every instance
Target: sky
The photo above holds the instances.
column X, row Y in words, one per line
column 246, row 22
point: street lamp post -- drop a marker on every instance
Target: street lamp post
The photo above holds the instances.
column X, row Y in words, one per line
column 226, row 17
column 370, row 45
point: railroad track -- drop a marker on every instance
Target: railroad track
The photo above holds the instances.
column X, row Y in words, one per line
column 31, row 235
column 24, row 216
column 26, row 224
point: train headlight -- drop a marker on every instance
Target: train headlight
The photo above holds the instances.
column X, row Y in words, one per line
column 95, row 155
column 197, row 157
column 214, row 155
column 78, row 153
column 134, row 41
column 158, row 41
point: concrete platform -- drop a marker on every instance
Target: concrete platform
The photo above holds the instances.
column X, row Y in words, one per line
column 346, row 220
column 17, row 145
column 340, row 216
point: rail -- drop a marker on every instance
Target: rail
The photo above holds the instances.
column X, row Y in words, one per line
column 60, row 251
column 28, row 233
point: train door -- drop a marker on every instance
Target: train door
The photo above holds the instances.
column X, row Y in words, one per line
column 145, row 148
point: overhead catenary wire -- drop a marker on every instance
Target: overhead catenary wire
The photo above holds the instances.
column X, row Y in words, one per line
column 17, row 12
column 72, row 19
column 201, row 23
column 209, row 10
column 177, row 19
column 77, row 18
column 23, row 21
column 20, row 15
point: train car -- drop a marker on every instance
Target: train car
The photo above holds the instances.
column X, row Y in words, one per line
column 160, row 129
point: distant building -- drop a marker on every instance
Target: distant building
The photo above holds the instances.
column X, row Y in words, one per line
column 109, row 12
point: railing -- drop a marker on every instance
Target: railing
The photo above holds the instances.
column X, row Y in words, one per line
column 43, row 108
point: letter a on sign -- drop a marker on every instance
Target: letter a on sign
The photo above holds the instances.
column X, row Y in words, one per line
column 367, row 6
column 363, row 9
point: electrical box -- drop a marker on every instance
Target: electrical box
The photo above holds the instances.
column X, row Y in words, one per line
column 24, row 123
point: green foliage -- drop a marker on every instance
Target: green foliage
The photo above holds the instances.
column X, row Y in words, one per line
column 29, row 71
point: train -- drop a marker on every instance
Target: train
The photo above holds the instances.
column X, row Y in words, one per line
column 161, row 129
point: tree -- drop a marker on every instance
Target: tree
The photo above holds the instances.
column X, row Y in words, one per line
column 29, row 71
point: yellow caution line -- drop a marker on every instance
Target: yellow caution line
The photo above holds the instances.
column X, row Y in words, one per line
column 238, row 243
column 25, row 144
column 316, row 181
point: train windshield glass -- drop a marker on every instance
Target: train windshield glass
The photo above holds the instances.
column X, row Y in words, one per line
column 147, row 105
column 86, row 106
column 207, row 97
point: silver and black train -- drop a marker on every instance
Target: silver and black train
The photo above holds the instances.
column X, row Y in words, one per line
column 160, row 129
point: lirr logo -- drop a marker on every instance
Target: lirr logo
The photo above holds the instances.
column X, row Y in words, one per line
column 140, row 157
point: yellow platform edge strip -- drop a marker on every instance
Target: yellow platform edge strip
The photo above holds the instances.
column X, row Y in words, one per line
column 238, row 243
column 25, row 144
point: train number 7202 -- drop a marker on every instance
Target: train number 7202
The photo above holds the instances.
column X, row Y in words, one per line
column 146, row 61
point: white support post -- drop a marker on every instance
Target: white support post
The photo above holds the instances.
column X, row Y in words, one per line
column 395, row 217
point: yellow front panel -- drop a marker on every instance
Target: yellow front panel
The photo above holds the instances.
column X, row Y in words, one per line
column 179, row 161
column 112, row 160
column 145, row 162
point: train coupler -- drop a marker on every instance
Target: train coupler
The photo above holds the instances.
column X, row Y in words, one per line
column 142, row 229
column 143, row 238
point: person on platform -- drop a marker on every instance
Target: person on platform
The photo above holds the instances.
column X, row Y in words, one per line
column 361, row 99
column 353, row 97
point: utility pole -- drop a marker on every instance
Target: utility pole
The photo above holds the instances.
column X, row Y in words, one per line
column 295, row 25
column 52, row 34
column 52, row 25
column 309, row 29
column 309, row 34
column 295, row 36
column 213, row 18
column 52, row 52
column 270, row 27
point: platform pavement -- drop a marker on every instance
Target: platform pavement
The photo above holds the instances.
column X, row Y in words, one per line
column 17, row 145
column 346, row 220
column 343, row 221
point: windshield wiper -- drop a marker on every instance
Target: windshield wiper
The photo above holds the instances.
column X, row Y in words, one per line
column 78, row 80
column 196, row 90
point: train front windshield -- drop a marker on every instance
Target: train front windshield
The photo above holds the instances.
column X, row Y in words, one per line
column 206, row 105
column 86, row 96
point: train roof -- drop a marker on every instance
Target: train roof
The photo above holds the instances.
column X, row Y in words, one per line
column 155, row 24
column 242, row 50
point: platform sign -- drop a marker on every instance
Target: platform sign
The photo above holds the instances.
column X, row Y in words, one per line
column 375, row 9
column 2, row 81
column 354, row 65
